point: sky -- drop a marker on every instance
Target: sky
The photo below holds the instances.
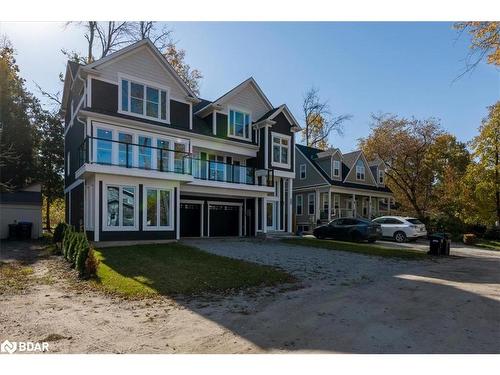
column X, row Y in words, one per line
column 408, row 69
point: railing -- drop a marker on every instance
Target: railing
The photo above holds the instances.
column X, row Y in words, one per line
column 95, row 150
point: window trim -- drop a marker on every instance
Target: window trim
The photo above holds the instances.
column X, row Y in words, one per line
column 309, row 200
column 119, row 228
column 297, row 204
column 158, row 227
column 68, row 164
column 289, row 139
column 335, row 161
column 361, row 167
column 249, row 130
column 145, row 83
column 305, row 171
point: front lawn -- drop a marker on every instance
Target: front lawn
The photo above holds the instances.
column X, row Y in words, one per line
column 169, row 269
column 360, row 248
column 488, row 244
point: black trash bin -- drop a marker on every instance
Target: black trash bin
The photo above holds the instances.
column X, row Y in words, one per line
column 12, row 231
column 439, row 244
column 24, row 230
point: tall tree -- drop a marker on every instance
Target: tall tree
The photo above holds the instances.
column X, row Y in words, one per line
column 18, row 130
column 403, row 145
column 485, row 42
column 482, row 181
column 51, row 160
column 319, row 121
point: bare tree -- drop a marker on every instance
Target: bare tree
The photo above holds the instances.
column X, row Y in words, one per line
column 112, row 35
column 160, row 36
column 319, row 121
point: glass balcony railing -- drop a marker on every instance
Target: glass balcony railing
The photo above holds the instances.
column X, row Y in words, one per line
column 104, row 151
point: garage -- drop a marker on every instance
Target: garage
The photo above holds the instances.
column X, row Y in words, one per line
column 224, row 220
column 191, row 219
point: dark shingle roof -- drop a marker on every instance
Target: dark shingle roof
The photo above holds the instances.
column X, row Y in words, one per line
column 311, row 154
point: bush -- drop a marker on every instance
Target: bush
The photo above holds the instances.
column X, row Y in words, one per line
column 91, row 263
column 81, row 255
column 59, row 232
column 66, row 241
column 469, row 239
column 492, row 234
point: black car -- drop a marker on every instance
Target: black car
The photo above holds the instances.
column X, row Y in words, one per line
column 350, row 229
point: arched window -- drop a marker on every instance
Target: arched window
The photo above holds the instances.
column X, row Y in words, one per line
column 360, row 170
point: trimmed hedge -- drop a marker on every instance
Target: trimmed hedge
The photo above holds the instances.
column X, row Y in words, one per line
column 76, row 250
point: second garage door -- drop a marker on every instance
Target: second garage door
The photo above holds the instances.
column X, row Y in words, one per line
column 224, row 220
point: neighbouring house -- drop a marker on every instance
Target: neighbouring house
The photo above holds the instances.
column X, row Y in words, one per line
column 332, row 185
column 147, row 159
column 23, row 205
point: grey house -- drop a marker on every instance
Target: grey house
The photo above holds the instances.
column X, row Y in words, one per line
column 331, row 185
column 147, row 159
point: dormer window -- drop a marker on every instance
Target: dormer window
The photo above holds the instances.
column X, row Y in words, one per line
column 143, row 100
column 239, row 124
column 336, row 168
column 380, row 176
column 360, row 170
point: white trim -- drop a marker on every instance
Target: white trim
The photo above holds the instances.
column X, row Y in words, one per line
column 256, row 217
column 132, row 79
column 178, row 215
column 172, row 207
column 300, row 171
column 96, row 208
column 288, row 115
column 73, row 185
column 246, row 129
column 336, row 176
column 201, row 203
column 266, row 147
column 119, row 228
column 289, row 150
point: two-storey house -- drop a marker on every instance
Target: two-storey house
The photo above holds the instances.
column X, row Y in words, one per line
column 147, row 159
column 331, row 185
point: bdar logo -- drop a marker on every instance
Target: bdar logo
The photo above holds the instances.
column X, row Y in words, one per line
column 8, row 347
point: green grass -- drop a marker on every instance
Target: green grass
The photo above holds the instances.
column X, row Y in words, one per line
column 170, row 269
column 488, row 244
column 360, row 248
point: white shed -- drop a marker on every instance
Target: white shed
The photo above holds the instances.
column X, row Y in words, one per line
column 22, row 205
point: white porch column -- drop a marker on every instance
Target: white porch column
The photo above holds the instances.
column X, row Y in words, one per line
column 96, row 209
column 318, row 205
column 256, row 217
column 263, row 213
column 329, row 204
column 354, row 205
column 244, row 217
column 178, row 210
column 290, row 205
column 370, row 207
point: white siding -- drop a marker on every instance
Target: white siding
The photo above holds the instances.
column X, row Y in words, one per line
column 17, row 212
column 248, row 99
column 141, row 63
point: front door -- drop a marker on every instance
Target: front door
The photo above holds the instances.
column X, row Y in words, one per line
column 271, row 215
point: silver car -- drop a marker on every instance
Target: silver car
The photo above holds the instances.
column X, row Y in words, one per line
column 400, row 228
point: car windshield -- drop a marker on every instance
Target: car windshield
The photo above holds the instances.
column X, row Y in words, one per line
column 414, row 221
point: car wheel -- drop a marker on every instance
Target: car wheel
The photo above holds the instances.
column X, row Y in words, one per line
column 400, row 237
column 372, row 240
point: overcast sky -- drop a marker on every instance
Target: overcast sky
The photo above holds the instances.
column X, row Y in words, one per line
column 360, row 68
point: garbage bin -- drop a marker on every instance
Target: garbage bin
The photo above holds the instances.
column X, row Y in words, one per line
column 24, row 230
column 439, row 244
column 12, row 231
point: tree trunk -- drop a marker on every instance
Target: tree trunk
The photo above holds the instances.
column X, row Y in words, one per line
column 47, row 216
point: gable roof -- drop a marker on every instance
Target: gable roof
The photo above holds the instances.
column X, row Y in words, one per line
column 311, row 154
column 148, row 44
column 271, row 114
column 234, row 91
column 350, row 158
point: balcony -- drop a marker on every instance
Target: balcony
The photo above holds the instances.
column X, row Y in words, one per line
column 162, row 162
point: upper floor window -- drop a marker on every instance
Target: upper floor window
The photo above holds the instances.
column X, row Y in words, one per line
column 143, row 100
column 380, row 176
column 302, row 171
column 360, row 170
column 280, row 150
column 104, row 146
column 239, row 124
column 336, row 168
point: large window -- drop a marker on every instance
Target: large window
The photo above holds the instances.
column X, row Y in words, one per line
column 144, row 152
column 360, row 170
column 104, row 146
column 120, row 207
column 280, row 150
column 162, row 162
column 143, row 100
column 299, row 203
column 311, row 203
column 239, row 124
column 336, row 168
column 159, row 209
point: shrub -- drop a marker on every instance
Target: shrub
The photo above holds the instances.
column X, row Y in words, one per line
column 59, row 232
column 81, row 256
column 492, row 234
column 469, row 239
column 91, row 263
column 66, row 241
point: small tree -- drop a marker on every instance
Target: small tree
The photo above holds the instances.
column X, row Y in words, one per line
column 319, row 121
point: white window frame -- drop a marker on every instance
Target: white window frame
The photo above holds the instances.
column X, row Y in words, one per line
column 335, row 166
column 281, row 136
column 158, row 227
column 301, row 205
column 303, row 169
column 246, row 131
column 381, row 176
column 309, row 200
column 145, row 83
column 120, row 228
column 68, row 164
column 361, row 171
